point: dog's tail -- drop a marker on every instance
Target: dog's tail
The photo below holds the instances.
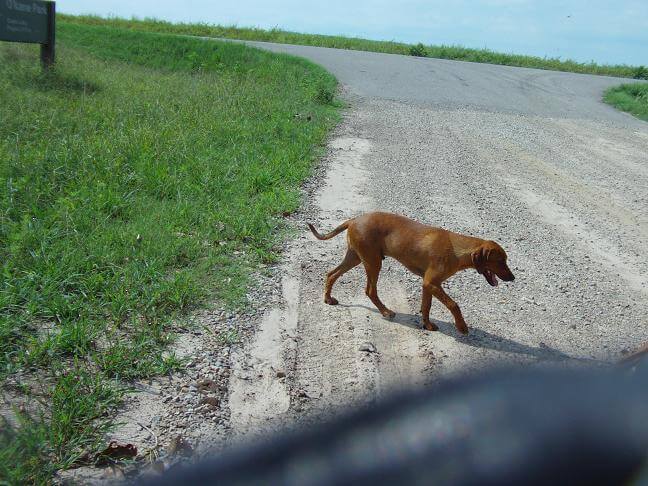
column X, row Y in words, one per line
column 330, row 235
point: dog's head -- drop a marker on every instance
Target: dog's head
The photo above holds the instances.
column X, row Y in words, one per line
column 490, row 260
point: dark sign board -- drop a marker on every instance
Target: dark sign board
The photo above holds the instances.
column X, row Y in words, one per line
column 23, row 21
column 29, row 21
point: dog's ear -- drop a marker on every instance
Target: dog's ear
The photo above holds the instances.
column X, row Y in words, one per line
column 478, row 257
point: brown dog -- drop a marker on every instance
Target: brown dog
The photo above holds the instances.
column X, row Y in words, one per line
column 432, row 253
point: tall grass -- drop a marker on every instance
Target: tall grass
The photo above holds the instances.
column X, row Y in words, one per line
column 142, row 175
column 340, row 42
column 632, row 98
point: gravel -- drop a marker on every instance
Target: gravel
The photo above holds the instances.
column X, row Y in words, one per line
column 556, row 193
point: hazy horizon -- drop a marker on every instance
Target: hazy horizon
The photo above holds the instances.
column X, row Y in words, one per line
column 578, row 30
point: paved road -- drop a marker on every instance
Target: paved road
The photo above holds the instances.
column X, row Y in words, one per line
column 529, row 158
column 454, row 84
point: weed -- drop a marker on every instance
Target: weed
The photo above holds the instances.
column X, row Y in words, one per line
column 418, row 50
column 640, row 72
column 75, row 419
column 632, row 98
column 229, row 337
column 325, row 95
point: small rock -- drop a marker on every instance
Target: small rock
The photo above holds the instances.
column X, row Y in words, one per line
column 212, row 401
column 281, row 374
column 207, row 385
column 368, row 347
column 180, row 446
column 114, row 473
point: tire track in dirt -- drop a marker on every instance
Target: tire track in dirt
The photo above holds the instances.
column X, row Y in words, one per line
column 258, row 391
column 316, row 346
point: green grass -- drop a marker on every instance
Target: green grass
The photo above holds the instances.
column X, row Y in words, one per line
column 340, row 42
column 143, row 175
column 632, row 98
column 72, row 418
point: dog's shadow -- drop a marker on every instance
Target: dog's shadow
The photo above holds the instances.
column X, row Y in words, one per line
column 479, row 338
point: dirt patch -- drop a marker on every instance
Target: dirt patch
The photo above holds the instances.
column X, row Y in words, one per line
column 308, row 357
column 188, row 408
column 258, row 388
column 599, row 248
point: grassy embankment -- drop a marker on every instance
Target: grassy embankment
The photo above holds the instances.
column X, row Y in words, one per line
column 632, row 98
column 436, row 51
column 142, row 176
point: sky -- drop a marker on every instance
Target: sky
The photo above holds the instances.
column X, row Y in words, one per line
column 607, row 32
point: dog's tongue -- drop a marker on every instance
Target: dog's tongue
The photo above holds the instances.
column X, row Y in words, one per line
column 491, row 278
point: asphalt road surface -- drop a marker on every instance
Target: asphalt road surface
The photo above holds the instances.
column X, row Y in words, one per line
column 532, row 159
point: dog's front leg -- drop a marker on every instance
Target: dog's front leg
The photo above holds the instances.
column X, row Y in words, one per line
column 453, row 307
column 432, row 288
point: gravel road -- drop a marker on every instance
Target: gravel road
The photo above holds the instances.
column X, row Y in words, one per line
column 530, row 158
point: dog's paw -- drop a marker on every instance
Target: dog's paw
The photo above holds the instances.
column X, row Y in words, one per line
column 331, row 300
column 429, row 326
column 389, row 314
column 462, row 328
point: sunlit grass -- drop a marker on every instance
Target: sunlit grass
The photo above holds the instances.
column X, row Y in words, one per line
column 141, row 176
column 632, row 98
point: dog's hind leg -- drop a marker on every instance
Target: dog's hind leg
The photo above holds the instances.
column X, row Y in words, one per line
column 351, row 259
column 426, row 303
column 372, row 265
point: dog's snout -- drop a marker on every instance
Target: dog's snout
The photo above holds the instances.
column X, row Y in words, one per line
column 506, row 275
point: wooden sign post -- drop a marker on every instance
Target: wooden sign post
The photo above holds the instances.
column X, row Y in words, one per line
column 32, row 21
